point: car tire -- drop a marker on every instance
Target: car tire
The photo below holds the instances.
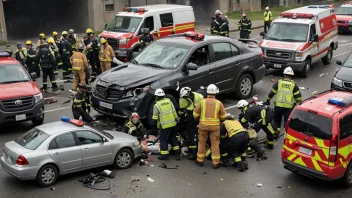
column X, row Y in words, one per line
column 306, row 68
column 347, row 178
column 151, row 106
column 244, row 87
column 38, row 121
column 123, row 159
column 47, row 175
column 327, row 58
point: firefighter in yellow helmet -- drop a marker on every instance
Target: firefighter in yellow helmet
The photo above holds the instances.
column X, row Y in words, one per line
column 58, row 46
column 79, row 65
column 54, row 51
column 106, row 55
column 30, row 59
column 72, row 39
column 65, row 55
column 90, row 46
column 41, row 41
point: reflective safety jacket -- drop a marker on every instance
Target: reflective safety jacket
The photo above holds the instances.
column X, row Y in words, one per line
column 73, row 41
column 267, row 15
column 89, row 43
column 81, row 100
column 79, row 61
column 256, row 114
column 135, row 130
column 287, row 92
column 209, row 112
column 164, row 114
column 224, row 28
column 187, row 104
column 31, row 56
column 9, row 50
column 245, row 24
column 45, row 57
column 145, row 40
column 21, row 56
column 66, row 48
column 232, row 127
column 106, row 53
column 215, row 26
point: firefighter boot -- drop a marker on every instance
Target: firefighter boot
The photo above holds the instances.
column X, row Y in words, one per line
column 54, row 87
column 270, row 145
column 178, row 156
column 260, row 153
column 163, row 157
column 240, row 166
column 200, row 163
column 245, row 163
column 216, row 166
column 225, row 163
column 45, row 87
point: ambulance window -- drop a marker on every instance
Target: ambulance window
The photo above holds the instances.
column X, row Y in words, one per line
column 222, row 51
column 148, row 23
column 312, row 32
column 345, row 127
column 166, row 20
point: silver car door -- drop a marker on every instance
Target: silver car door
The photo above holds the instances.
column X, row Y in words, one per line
column 66, row 153
column 95, row 152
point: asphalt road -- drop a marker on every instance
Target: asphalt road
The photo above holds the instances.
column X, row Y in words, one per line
column 190, row 180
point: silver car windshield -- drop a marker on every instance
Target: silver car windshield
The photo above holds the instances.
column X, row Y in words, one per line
column 32, row 139
column 12, row 74
column 288, row 32
column 162, row 55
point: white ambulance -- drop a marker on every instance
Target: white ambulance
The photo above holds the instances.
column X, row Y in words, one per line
column 301, row 37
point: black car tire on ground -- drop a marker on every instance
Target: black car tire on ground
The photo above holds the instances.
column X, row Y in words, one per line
column 124, row 159
column 347, row 179
column 47, row 170
column 244, row 83
column 38, row 120
column 306, row 68
column 151, row 106
column 327, row 58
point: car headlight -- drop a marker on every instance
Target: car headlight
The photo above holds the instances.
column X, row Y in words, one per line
column 38, row 98
column 136, row 91
column 337, row 82
column 299, row 55
column 123, row 41
column 136, row 144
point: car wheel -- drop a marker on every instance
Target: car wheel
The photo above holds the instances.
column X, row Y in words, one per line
column 347, row 179
column 38, row 121
column 151, row 106
column 327, row 58
column 123, row 159
column 244, row 87
column 306, row 69
column 47, row 175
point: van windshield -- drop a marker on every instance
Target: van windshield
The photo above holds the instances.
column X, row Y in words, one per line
column 289, row 32
column 124, row 24
column 13, row 74
column 311, row 124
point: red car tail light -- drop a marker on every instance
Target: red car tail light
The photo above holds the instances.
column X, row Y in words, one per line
column 333, row 149
column 21, row 160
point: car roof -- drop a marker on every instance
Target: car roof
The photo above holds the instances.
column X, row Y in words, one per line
column 59, row 127
column 8, row 61
column 155, row 8
column 346, row 5
column 289, row 20
column 320, row 103
column 188, row 41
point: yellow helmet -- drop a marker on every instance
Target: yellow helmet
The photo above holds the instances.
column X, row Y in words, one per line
column 89, row 31
column 42, row 35
column 54, row 33
column 51, row 40
column 102, row 41
column 28, row 42
column 64, row 33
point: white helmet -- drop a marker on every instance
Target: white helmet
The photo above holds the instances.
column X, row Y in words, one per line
column 267, row 8
column 159, row 92
column 212, row 89
column 288, row 71
column 217, row 12
column 184, row 91
column 242, row 103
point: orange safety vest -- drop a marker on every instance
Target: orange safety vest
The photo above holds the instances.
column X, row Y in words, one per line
column 213, row 120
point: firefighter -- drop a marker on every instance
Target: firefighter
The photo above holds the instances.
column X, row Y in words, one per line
column 211, row 24
column 106, row 55
column 202, row 91
column 146, row 38
column 134, row 127
column 209, row 112
column 81, row 104
column 287, row 92
column 58, row 46
column 237, row 141
column 41, row 40
column 224, row 28
column 267, row 19
column 53, row 50
column 260, row 117
column 90, row 50
column 79, row 64
column 9, row 50
column 188, row 101
column 72, row 39
column 217, row 22
column 244, row 26
column 65, row 56
column 254, row 143
column 47, row 61
column 31, row 53
column 165, row 118
column 96, row 45
column 20, row 54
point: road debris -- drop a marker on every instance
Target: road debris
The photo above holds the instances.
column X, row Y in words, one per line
column 52, row 188
column 163, row 165
column 272, row 80
column 51, row 101
column 205, row 173
column 259, row 185
column 279, row 187
column 303, row 88
column 134, row 179
column 321, row 74
column 150, row 179
column 142, row 163
column 221, row 179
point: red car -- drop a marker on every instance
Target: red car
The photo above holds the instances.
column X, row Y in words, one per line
column 20, row 98
column 344, row 16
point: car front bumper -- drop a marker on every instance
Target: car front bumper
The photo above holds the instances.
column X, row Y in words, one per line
column 32, row 113
column 296, row 66
column 21, row 172
column 137, row 151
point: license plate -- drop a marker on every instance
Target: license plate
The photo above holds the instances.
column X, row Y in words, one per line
column 20, row 117
column 105, row 105
column 305, row 150
column 277, row 65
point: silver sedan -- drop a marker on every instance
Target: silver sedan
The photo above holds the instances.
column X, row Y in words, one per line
column 58, row 148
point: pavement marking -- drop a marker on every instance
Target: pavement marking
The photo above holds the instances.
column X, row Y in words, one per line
column 345, row 44
column 231, row 107
column 341, row 54
column 343, row 41
column 58, row 109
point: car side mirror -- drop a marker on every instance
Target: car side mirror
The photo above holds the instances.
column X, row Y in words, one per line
column 191, row 66
column 315, row 38
column 106, row 25
column 338, row 62
column 105, row 140
column 34, row 76
column 262, row 34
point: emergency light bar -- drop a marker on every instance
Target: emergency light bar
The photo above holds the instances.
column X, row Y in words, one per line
column 341, row 102
column 79, row 123
column 296, row 15
column 4, row 54
column 135, row 10
column 321, row 6
column 193, row 35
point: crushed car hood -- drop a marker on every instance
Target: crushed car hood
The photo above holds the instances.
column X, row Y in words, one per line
column 344, row 73
column 131, row 75
column 281, row 45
